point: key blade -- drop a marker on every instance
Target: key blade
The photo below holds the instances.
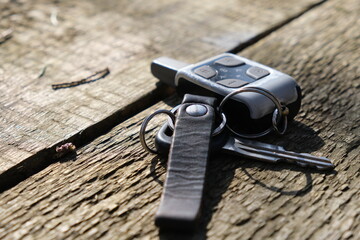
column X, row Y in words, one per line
column 260, row 145
column 302, row 159
column 231, row 147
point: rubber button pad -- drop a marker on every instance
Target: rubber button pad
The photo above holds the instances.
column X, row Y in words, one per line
column 232, row 83
column 229, row 62
column 230, row 72
column 257, row 73
column 205, row 71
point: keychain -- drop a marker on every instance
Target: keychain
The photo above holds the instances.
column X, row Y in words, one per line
column 189, row 143
column 252, row 96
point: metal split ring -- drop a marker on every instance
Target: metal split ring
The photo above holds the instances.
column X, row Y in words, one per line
column 279, row 112
column 216, row 131
column 275, row 115
column 145, row 123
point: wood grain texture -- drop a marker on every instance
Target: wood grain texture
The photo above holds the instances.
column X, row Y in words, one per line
column 54, row 42
column 112, row 188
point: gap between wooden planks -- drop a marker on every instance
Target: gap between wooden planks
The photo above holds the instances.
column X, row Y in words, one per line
column 112, row 189
column 72, row 40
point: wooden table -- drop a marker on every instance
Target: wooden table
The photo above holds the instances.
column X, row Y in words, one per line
column 110, row 188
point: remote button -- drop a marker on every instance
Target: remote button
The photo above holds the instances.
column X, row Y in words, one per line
column 257, row 73
column 229, row 62
column 205, row 71
column 232, row 83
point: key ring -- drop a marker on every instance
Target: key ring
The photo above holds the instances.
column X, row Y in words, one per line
column 285, row 112
column 277, row 114
column 145, row 123
column 216, row 131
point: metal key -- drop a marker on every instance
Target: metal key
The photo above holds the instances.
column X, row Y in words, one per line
column 273, row 153
column 250, row 149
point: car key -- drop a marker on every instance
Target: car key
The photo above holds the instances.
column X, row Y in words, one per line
column 273, row 153
column 221, row 75
column 249, row 149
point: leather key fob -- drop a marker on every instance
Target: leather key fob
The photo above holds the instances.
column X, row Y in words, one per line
column 188, row 157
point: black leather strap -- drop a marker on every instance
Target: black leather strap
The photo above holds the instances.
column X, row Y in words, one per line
column 189, row 152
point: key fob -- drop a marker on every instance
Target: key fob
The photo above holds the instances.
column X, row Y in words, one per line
column 220, row 75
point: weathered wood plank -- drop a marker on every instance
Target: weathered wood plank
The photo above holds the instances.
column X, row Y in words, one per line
column 111, row 190
column 54, row 42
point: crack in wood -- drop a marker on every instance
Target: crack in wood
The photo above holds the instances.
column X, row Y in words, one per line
column 276, row 27
column 40, row 160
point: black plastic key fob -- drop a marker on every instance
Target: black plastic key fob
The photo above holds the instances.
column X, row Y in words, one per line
column 220, row 75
